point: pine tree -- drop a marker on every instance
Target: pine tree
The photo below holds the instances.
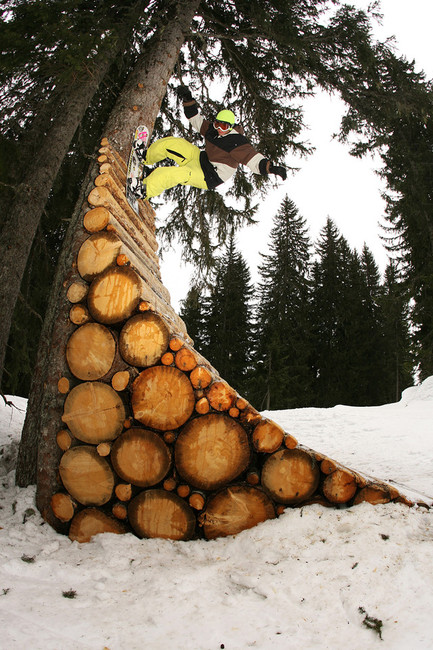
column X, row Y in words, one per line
column 399, row 361
column 282, row 377
column 229, row 319
column 193, row 312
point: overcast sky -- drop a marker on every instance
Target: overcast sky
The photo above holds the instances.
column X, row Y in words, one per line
column 331, row 182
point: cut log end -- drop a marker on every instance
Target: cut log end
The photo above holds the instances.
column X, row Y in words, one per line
column 159, row 513
column 235, row 509
column 211, row 451
column 290, row 476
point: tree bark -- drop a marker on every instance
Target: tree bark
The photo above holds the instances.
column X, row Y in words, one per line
column 32, row 195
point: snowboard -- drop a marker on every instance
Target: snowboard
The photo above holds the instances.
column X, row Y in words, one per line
column 135, row 162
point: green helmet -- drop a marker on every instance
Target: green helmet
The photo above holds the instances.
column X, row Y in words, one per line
column 226, row 116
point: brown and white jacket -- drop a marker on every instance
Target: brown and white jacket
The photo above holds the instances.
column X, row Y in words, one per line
column 223, row 153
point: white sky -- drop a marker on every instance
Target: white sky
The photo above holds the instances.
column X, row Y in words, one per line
column 331, row 182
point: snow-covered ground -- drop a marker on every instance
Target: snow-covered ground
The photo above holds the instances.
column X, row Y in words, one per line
column 353, row 579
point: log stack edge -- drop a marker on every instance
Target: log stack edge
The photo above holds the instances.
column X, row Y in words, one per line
column 149, row 438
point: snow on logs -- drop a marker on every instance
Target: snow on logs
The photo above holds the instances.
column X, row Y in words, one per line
column 150, row 438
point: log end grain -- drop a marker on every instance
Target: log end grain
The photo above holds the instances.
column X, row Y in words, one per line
column 159, row 513
column 234, row 509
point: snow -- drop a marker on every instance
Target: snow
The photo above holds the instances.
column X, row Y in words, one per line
column 314, row 578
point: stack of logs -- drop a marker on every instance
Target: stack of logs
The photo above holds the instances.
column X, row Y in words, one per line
column 151, row 439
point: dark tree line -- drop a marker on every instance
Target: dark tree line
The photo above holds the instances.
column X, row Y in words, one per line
column 321, row 328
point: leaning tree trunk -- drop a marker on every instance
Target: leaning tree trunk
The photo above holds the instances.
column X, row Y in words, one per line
column 32, row 194
column 139, row 102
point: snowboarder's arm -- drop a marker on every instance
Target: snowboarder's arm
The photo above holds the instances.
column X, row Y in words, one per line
column 247, row 155
column 190, row 108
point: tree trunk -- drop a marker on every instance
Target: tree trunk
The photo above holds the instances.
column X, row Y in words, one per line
column 32, row 195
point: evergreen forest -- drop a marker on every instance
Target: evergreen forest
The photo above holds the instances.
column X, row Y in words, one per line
column 321, row 327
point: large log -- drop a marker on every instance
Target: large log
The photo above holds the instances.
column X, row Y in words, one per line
column 212, row 451
column 141, row 457
column 94, row 412
column 114, row 295
column 97, row 253
column 87, row 476
column 234, row 509
column 90, row 351
column 158, row 513
column 162, row 398
column 143, row 339
column 290, row 476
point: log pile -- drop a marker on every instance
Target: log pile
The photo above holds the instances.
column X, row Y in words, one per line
column 150, row 439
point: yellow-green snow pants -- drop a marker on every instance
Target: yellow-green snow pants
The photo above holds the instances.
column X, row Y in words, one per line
column 188, row 172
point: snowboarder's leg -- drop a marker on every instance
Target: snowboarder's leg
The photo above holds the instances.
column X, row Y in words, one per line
column 189, row 171
column 177, row 149
column 163, row 178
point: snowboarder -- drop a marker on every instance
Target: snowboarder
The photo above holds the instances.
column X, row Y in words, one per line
column 226, row 147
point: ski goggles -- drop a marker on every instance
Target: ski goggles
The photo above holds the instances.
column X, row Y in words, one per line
column 222, row 127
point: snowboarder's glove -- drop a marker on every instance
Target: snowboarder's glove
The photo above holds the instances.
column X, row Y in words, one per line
column 184, row 93
column 278, row 170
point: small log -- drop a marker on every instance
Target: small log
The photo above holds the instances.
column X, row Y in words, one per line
column 63, row 385
column 120, row 511
column 120, row 380
column 79, row 314
column 241, row 403
column 90, row 522
column 253, row 477
column 90, row 351
column 373, row 494
column 185, row 359
column 234, row 509
column 86, row 476
column 290, row 441
column 169, row 437
column 167, row 359
column 104, row 449
column 77, row 292
column 234, row 412
column 290, row 476
column 96, row 219
column 97, row 253
column 123, row 491
column 143, row 339
column 141, row 457
column 200, row 377
column 197, row 500
column 267, row 436
column 122, row 260
column 175, row 343
column 183, row 490
column 64, row 440
column 339, row 487
column 169, row 484
column 63, row 506
column 94, row 412
column 221, row 396
column 162, row 398
column 114, row 295
column 328, row 466
column 211, row 451
column 202, row 406
column 158, row 513
column 144, row 306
